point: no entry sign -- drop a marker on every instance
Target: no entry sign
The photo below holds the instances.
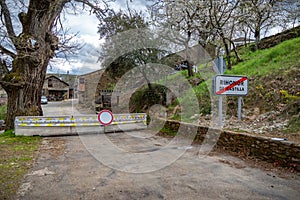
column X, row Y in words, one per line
column 105, row 117
column 230, row 85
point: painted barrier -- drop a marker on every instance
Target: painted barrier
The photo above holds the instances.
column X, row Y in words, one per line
column 73, row 125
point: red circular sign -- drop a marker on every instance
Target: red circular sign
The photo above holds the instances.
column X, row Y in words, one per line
column 105, row 117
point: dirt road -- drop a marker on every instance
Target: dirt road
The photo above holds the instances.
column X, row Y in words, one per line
column 67, row 168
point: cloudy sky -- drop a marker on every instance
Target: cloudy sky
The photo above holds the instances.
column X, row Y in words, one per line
column 86, row 25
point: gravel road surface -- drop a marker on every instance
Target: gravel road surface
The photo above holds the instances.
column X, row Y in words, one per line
column 67, row 168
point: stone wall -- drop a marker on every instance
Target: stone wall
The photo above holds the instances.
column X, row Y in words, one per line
column 87, row 93
column 273, row 40
column 284, row 153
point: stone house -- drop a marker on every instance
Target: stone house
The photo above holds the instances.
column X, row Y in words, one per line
column 86, row 87
column 55, row 89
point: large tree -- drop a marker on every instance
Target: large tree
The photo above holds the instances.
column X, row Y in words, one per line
column 208, row 22
column 114, row 24
column 28, row 42
column 223, row 17
column 129, row 43
column 259, row 16
column 288, row 13
column 184, row 17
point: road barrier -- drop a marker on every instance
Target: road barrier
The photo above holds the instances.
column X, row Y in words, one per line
column 72, row 125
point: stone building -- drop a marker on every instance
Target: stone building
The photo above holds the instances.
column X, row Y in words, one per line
column 55, row 89
column 87, row 87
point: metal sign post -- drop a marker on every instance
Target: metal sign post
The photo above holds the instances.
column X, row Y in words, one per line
column 230, row 85
column 240, row 108
column 220, row 121
column 219, row 67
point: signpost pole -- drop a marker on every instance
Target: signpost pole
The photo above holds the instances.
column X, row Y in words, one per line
column 240, row 107
column 220, row 122
column 220, row 111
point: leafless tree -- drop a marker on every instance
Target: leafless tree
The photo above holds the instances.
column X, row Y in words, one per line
column 184, row 17
column 222, row 14
column 288, row 13
column 260, row 16
column 28, row 41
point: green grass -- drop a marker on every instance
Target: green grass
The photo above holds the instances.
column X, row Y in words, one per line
column 266, row 69
column 268, row 61
column 271, row 74
column 168, row 132
column 3, row 110
column 275, row 74
column 16, row 155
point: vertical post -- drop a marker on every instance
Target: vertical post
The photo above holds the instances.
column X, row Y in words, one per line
column 220, row 111
column 220, row 122
column 240, row 108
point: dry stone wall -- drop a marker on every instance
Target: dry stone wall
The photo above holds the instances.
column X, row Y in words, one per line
column 283, row 153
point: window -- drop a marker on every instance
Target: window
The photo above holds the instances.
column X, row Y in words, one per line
column 81, row 80
column 50, row 84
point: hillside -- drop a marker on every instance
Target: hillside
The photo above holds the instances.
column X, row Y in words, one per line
column 273, row 102
column 272, row 105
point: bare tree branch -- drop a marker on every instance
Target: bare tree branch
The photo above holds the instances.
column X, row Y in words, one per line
column 6, row 51
column 3, row 67
column 7, row 19
column 100, row 12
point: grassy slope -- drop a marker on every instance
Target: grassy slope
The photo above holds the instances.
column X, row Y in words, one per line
column 273, row 85
column 16, row 155
column 273, row 82
column 278, row 59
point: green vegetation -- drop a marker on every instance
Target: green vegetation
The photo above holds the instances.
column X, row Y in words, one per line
column 144, row 98
column 269, row 61
column 273, row 78
column 3, row 110
column 168, row 132
column 293, row 125
column 274, row 75
column 16, row 155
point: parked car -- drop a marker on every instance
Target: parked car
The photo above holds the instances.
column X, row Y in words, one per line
column 44, row 100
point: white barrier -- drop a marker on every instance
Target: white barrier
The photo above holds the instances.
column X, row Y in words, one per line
column 70, row 125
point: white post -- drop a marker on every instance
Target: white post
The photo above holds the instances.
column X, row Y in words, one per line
column 240, row 107
column 220, row 111
column 220, row 123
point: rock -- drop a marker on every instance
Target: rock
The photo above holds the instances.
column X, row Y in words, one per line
column 42, row 172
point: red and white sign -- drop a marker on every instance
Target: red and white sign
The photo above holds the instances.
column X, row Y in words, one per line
column 230, row 85
column 105, row 117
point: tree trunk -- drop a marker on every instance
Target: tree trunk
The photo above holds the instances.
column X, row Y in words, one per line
column 35, row 46
column 238, row 58
column 227, row 51
column 24, row 90
column 187, row 55
column 257, row 38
